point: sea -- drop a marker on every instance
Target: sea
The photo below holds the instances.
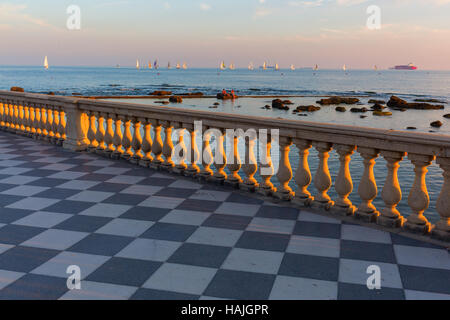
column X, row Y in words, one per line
column 302, row 86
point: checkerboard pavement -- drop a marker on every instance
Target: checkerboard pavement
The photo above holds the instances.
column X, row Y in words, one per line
column 141, row 234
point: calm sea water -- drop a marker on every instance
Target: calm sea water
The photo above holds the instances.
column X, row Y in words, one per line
column 367, row 84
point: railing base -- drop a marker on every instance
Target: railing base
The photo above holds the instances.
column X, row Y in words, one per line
column 396, row 222
column 322, row 205
column 266, row 192
column 248, row 187
column 440, row 235
column 343, row 211
column 416, row 228
column 234, row 184
column 303, row 202
column 367, row 216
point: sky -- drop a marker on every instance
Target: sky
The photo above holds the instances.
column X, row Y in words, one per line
column 329, row 33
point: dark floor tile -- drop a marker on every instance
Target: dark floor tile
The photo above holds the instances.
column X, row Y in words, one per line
column 15, row 234
column 369, row 251
column 404, row 241
column 200, row 255
column 159, row 182
column 96, row 177
column 149, row 294
column 145, row 213
column 109, row 187
column 71, row 207
column 169, row 231
column 25, row 259
column 11, row 215
column 176, row 193
column 238, row 285
column 226, row 221
column 47, row 182
column 126, row 199
column 313, row 267
column 317, row 229
column 138, row 172
column 106, row 245
column 4, row 187
column 40, row 173
column 6, row 200
column 127, row 272
column 56, row 193
column 263, row 241
column 35, row 287
column 347, row 291
column 84, row 168
column 425, row 279
column 239, row 198
column 199, row 205
column 83, row 223
column 275, row 212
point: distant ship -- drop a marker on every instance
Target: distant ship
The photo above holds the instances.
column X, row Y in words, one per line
column 223, row 66
column 46, row 63
column 169, row 66
column 178, row 66
column 316, row 67
column 405, row 67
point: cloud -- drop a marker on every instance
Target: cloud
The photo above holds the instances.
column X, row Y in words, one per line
column 262, row 12
column 13, row 14
column 205, row 6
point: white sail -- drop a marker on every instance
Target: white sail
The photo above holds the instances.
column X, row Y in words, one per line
column 231, row 67
column 264, row 65
column 277, row 67
column 292, row 67
column 46, row 63
column 184, row 65
column 316, row 67
column 178, row 65
column 250, row 66
column 375, row 68
column 137, row 64
column 344, row 67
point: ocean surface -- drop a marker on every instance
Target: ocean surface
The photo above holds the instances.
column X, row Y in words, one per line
column 307, row 85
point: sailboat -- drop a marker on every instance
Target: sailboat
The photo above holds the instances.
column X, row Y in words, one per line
column 292, row 67
column 375, row 68
column 231, row 67
column 46, row 63
column 169, row 66
column 277, row 67
column 250, row 66
column 178, row 65
column 150, row 65
column 264, row 66
column 156, row 64
column 344, row 67
column 223, row 66
column 184, row 66
column 137, row 64
column 316, row 67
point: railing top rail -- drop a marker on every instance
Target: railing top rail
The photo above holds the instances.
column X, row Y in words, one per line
column 413, row 142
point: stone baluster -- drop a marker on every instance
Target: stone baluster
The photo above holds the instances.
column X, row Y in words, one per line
column 344, row 183
column 194, row 155
column 418, row 199
column 391, row 193
column 284, row 175
column 234, row 179
column 322, row 178
column 367, row 188
column 250, row 166
column 157, row 146
column 61, row 126
column 136, row 143
column 146, row 144
column 16, row 126
column 49, row 123
column 21, row 118
column 43, row 123
column 37, row 122
column 109, row 135
column 55, row 125
column 207, row 159
column 100, row 134
column 167, row 150
column 2, row 115
column 92, row 132
column 303, row 176
column 26, row 120
column 220, row 158
column 442, row 228
column 32, row 115
column 127, row 139
column 266, row 169
column 117, row 139
column 180, row 152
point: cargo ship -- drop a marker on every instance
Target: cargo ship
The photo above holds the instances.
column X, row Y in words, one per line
column 405, row 67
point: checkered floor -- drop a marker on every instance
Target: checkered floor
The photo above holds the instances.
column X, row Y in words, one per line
column 139, row 234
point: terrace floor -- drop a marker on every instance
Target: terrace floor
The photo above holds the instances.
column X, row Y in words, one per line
column 141, row 234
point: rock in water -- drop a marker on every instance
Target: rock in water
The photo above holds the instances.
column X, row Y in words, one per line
column 411, row 128
column 362, row 110
column 447, row 115
column 222, row 96
column 337, row 100
column 17, row 89
column 382, row 114
column 436, row 124
column 308, row 108
column 378, row 107
column 161, row 93
column 279, row 104
column 341, row 109
column 377, row 101
column 176, row 99
column 397, row 103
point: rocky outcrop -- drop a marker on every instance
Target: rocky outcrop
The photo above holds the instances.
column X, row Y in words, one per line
column 176, row 99
column 447, row 116
column 411, row 128
column 361, row 110
column 378, row 107
column 227, row 96
column 377, row 101
column 279, row 104
column 429, row 100
column 192, row 94
column 382, row 114
column 397, row 103
column 338, row 100
column 341, row 109
column 436, row 124
column 161, row 93
column 17, row 89
column 307, row 108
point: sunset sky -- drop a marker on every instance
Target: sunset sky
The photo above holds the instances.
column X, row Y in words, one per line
column 204, row 32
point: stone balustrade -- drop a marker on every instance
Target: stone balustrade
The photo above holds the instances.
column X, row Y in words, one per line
column 144, row 136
